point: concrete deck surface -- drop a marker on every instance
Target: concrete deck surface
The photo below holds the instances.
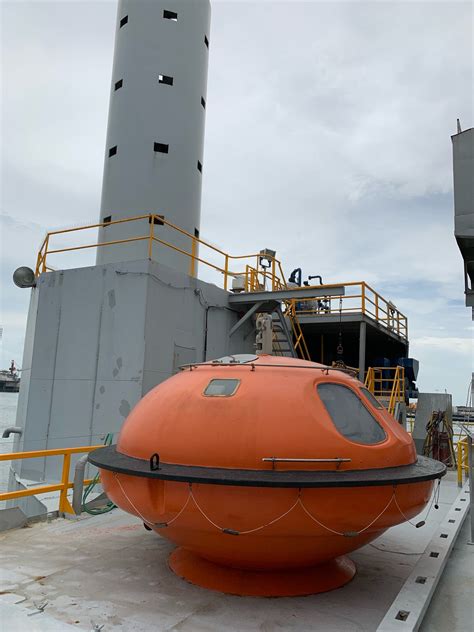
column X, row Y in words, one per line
column 107, row 570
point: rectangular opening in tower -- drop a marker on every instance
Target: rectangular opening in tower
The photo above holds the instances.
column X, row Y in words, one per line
column 161, row 148
column 166, row 79
column 206, row 41
column 199, row 165
column 107, row 219
column 123, row 21
column 203, row 102
column 170, row 15
column 112, row 151
column 118, row 84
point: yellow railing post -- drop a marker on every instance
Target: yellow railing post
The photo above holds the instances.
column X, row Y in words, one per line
column 377, row 307
column 64, row 504
column 226, row 272
column 150, row 242
column 459, row 449
column 46, row 244
column 370, row 380
column 38, row 263
column 363, row 296
column 192, row 262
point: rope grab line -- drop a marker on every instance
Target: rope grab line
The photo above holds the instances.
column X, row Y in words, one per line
column 298, row 501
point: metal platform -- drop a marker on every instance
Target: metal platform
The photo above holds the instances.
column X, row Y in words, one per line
column 109, row 571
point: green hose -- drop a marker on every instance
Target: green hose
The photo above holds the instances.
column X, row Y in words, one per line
column 97, row 511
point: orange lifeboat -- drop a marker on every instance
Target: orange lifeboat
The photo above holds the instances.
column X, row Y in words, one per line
column 265, row 471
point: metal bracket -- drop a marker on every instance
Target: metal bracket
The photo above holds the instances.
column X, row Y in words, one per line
column 245, row 317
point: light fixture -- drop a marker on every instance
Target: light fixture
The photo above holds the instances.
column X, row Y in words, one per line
column 266, row 257
column 24, row 277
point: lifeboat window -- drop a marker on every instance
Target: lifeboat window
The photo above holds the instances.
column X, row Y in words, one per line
column 221, row 388
column 349, row 415
column 372, row 399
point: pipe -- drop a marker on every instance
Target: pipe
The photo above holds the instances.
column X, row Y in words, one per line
column 12, row 430
column 295, row 276
column 78, row 486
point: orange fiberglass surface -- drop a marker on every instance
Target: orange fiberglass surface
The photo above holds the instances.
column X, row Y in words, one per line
column 265, row 471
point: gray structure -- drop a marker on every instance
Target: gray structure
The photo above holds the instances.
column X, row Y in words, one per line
column 100, row 338
column 463, row 168
column 155, row 137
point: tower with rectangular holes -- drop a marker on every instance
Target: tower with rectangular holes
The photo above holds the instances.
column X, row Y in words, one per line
column 155, row 136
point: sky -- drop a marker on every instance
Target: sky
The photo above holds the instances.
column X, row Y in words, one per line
column 327, row 139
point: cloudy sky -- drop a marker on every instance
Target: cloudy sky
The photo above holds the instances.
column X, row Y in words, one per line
column 327, row 139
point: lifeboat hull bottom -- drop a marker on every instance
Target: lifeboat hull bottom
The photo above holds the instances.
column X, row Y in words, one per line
column 285, row 583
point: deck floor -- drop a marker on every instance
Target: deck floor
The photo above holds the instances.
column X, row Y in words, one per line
column 107, row 570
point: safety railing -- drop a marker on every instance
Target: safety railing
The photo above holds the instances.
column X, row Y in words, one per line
column 254, row 272
column 462, row 448
column 65, row 484
column 387, row 384
column 359, row 298
column 259, row 271
column 299, row 341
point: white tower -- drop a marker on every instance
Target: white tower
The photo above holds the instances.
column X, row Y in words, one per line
column 155, row 137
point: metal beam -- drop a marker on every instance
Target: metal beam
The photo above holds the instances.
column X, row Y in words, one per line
column 362, row 342
column 288, row 294
column 245, row 317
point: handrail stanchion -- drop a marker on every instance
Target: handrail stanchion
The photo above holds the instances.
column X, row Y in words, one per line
column 64, row 504
column 226, row 272
column 150, row 241
column 192, row 262
column 460, row 455
column 46, row 244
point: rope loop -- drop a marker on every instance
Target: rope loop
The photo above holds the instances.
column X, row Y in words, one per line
column 298, row 501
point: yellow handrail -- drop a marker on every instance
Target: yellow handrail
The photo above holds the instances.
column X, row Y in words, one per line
column 380, row 385
column 275, row 277
column 65, row 484
column 462, row 459
column 370, row 380
column 359, row 298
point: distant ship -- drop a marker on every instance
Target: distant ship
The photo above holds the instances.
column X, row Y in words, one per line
column 10, row 379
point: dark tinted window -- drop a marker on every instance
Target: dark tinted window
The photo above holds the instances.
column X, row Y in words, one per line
column 372, row 399
column 221, row 388
column 349, row 415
